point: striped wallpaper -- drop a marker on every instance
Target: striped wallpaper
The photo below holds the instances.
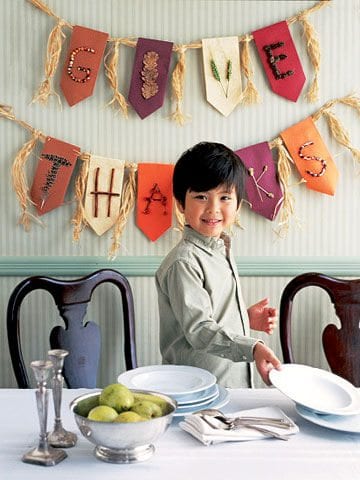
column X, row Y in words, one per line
column 324, row 232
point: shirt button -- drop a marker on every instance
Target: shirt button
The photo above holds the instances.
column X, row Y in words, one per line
column 244, row 357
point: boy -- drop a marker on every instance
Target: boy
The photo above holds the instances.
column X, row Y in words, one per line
column 203, row 318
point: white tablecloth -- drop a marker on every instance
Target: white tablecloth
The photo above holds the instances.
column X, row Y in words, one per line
column 314, row 453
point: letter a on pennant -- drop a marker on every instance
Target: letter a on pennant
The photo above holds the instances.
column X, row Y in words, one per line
column 221, row 59
column 280, row 60
column 311, row 156
column 56, row 164
column 262, row 185
column 82, row 63
column 154, row 199
column 103, row 192
column 150, row 75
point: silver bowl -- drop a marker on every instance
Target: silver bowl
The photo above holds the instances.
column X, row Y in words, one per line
column 122, row 442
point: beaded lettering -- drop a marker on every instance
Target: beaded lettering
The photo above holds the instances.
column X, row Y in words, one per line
column 311, row 157
column 155, row 196
column 98, row 192
column 51, row 175
column 274, row 59
column 86, row 70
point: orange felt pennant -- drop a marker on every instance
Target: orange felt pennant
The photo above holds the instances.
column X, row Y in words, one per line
column 82, row 64
column 154, row 199
column 311, row 156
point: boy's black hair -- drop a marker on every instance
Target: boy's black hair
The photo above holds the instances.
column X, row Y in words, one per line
column 205, row 166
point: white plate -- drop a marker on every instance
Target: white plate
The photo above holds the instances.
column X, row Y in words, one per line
column 174, row 380
column 343, row 423
column 206, row 395
column 220, row 401
column 316, row 389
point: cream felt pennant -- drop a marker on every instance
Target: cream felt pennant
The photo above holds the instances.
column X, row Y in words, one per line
column 103, row 192
column 221, row 58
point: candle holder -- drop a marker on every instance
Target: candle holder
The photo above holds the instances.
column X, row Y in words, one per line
column 43, row 454
column 59, row 437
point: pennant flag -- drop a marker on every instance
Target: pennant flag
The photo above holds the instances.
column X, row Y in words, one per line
column 150, row 75
column 103, row 192
column 311, row 156
column 221, row 57
column 280, row 60
column 154, row 199
column 262, row 185
column 56, row 164
column 82, row 63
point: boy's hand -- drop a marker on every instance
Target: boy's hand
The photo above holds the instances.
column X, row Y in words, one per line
column 262, row 317
column 265, row 360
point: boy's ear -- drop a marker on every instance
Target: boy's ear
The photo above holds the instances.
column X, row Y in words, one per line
column 179, row 206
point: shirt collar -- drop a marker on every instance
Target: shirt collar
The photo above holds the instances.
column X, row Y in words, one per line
column 208, row 243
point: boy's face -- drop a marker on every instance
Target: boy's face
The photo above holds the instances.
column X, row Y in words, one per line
column 209, row 213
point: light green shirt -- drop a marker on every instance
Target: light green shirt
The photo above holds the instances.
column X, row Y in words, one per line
column 203, row 318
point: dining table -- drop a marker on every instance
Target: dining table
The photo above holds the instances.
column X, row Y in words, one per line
column 315, row 452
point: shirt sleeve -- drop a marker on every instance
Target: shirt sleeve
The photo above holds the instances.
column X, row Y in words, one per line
column 192, row 307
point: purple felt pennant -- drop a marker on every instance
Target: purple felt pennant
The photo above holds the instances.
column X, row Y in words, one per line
column 262, row 186
column 149, row 75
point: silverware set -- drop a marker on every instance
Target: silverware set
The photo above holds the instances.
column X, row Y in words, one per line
column 218, row 420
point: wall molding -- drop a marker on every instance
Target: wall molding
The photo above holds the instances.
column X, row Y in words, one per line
column 146, row 266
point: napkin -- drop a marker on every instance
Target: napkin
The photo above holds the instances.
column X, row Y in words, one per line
column 198, row 428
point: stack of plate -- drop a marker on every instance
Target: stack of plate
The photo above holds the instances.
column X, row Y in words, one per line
column 193, row 388
column 320, row 396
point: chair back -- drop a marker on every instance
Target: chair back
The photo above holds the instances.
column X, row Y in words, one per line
column 341, row 346
column 81, row 340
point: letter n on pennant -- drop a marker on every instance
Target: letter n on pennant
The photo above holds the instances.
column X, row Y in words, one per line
column 280, row 60
column 56, row 164
column 82, row 63
column 103, row 192
column 154, row 199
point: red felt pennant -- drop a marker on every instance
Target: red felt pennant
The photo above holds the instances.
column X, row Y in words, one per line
column 56, row 164
column 82, row 63
column 149, row 76
column 280, row 60
column 154, row 199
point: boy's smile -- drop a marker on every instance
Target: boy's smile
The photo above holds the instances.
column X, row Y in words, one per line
column 209, row 213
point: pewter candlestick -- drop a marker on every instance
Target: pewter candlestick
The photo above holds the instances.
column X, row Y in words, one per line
column 43, row 454
column 59, row 437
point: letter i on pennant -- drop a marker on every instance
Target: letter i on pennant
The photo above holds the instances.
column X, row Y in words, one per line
column 82, row 63
column 154, row 199
column 56, row 164
column 280, row 60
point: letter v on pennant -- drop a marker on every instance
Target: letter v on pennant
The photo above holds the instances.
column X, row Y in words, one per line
column 103, row 192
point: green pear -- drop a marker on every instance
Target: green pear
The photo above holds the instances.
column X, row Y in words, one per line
column 147, row 409
column 117, row 396
column 103, row 413
column 84, row 406
column 163, row 404
column 129, row 417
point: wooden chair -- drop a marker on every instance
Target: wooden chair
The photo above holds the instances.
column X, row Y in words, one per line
column 341, row 346
column 82, row 341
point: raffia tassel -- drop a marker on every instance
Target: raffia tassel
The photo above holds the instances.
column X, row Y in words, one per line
column 250, row 94
column 20, row 182
column 284, row 172
column 79, row 220
column 313, row 49
column 352, row 101
column 177, row 83
column 54, row 46
column 340, row 134
column 127, row 204
column 111, row 68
